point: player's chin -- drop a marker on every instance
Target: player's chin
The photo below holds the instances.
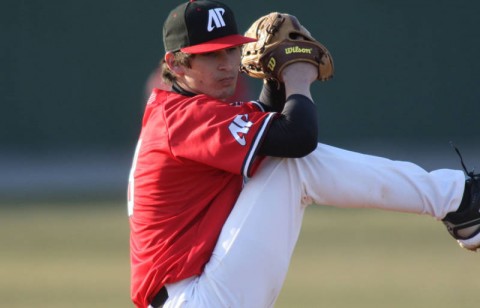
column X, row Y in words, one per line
column 226, row 94
column 226, row 91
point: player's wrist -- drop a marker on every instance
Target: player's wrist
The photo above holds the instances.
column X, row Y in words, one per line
column 300, row 72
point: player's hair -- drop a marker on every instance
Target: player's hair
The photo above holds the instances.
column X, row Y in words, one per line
column 180, row 58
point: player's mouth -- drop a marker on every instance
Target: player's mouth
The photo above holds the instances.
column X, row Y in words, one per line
column 227, row 81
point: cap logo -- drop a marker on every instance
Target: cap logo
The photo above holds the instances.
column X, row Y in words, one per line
column 215, row 18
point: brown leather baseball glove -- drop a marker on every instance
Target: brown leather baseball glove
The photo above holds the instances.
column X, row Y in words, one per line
column 282, row 40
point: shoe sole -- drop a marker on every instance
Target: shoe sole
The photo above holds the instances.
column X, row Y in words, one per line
column 472, row 244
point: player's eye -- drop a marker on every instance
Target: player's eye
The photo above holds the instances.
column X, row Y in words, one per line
column 218, row 53
column 233, row 49
column 209, row 54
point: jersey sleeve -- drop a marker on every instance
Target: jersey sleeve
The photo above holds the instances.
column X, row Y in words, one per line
column 218, row 134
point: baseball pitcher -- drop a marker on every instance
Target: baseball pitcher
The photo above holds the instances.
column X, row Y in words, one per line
column 217, row 191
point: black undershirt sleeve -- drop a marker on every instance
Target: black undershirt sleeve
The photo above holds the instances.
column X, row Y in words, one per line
column 272, row 95
column 294, row 132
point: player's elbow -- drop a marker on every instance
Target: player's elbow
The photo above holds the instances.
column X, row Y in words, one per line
column 299, row 142
column 309, row 147
column 304, row 144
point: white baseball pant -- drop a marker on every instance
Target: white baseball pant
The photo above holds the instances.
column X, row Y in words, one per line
column 250, row 261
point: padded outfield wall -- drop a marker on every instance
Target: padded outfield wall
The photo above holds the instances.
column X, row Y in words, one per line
column 73, row 72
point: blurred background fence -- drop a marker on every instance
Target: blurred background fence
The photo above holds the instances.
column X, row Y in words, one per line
column 73, row 77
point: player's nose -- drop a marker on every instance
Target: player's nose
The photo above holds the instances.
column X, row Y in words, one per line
column 226, row 61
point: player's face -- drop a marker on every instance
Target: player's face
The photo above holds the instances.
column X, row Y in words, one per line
column 214, row 73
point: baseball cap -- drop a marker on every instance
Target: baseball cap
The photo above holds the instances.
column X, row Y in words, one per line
column 201, row 26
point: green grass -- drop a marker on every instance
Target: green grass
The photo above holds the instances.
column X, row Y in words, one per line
column 77, row 256
column 367, row 258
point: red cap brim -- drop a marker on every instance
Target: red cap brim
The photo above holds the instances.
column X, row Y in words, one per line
column 218, row 44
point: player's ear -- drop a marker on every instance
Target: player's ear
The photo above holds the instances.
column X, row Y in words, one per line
column 172, row 64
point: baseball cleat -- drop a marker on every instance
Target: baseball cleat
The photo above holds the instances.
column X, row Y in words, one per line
column 464, row 224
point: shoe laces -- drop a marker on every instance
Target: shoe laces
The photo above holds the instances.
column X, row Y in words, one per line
column 471, row 174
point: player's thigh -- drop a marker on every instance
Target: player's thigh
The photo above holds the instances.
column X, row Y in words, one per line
column 253, row 253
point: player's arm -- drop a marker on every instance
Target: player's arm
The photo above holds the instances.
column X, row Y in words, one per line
column 272, row 95
column 294, row 133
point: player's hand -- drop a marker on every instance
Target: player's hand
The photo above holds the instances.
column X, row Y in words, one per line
column 300, row 72
column 298, row 77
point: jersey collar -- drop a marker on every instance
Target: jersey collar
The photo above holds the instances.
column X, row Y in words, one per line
column 177, row 89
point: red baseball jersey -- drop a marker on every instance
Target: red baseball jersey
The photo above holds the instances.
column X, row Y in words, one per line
column 187, row 173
